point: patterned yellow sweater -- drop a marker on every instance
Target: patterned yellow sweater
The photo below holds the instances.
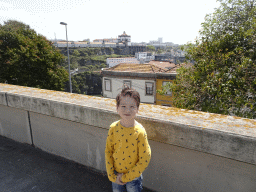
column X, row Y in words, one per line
column 127, row 151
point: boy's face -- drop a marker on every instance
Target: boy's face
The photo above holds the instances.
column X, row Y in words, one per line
column 127, row 108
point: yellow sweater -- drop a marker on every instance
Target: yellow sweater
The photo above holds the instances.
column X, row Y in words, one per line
column 127, row 151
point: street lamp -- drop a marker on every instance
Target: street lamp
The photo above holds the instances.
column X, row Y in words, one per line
column 70, row 84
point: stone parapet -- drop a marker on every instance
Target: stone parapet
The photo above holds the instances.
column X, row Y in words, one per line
column 227, row 136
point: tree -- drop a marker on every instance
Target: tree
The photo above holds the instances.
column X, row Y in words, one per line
column 29, row 59
column 159, row 51
column 223, row 79
column 86, row 83
column 150, row 48
column 76, row 53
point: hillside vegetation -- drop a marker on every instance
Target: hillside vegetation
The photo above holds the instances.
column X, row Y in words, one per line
column 89, row 59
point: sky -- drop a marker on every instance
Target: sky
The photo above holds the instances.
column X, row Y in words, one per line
column 177, row 21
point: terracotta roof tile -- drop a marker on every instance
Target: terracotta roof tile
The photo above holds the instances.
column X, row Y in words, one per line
column 173, row 70
column 141, row 68
column 162, row 64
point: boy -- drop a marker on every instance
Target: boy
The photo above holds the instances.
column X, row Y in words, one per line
column 127, row 151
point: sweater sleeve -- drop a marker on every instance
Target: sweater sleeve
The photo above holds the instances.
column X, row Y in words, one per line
column 144, row 152
column 109, row 156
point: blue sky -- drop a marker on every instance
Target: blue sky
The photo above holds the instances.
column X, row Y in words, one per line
column 145, row 20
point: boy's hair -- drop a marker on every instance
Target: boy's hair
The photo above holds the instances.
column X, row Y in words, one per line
column 127, row 91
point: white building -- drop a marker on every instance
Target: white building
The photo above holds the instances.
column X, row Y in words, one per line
column 96, row 44
column 111, row 62
column 145, row 56
column 141, row 55
column 110, row 40
column 121, row 38
column 80, row 44
column 124, row 37
column 113, row 85
column 110, row 44
column 63, row 44
column 138, row 76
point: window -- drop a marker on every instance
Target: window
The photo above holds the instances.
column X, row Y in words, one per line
column 107, row 84
column 149, row 88
column 127, row 83
column 169, row 93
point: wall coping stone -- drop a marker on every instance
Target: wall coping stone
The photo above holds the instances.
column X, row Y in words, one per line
column 223, row 135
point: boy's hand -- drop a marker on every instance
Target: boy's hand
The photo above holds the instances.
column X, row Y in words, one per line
column 118, row 179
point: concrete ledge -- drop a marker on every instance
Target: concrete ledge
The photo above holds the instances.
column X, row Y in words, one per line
column 226, row 136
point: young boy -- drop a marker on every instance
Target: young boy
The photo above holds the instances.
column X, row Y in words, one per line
column 127, row 151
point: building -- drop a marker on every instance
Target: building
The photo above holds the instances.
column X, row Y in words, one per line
column 62, row 44
column 121, row 38
column 80, row 44
column 145, row 78
column 110, row 40
column 124, row 37
column 109, row 44
column 164, row 57
column 145, row 56
column 96, row 44
column 111, row 62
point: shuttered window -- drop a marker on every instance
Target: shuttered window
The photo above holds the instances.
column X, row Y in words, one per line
column 128, row 83
column 107, row 85
column 149, row 88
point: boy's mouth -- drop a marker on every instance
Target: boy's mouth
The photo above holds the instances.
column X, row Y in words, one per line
column 127, row 114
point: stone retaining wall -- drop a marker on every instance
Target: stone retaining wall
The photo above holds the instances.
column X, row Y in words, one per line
column 191, row 150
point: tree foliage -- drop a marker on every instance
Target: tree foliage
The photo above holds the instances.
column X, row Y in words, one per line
column 151, row 48
column 223, row 79
column 29, row 59
column 86, row 83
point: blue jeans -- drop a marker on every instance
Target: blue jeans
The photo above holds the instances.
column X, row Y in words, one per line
column 132, row 186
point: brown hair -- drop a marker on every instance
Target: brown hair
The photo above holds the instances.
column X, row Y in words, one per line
column 127, row 91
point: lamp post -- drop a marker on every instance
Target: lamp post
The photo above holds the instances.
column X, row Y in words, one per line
column 70, row 84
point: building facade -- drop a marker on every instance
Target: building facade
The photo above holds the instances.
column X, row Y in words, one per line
column 145, row 78
column 124, row 37
column 145, row 56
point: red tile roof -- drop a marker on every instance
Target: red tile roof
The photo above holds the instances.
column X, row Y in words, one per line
column 141, row 68
column 162, row 64
column 145, row 68
column 173, row 70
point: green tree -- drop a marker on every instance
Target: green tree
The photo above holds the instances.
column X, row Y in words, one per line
column 76, row 53
column 29, row 59
column 159, row 51
column 86, row 83
column 150, row 48
column 223, row 79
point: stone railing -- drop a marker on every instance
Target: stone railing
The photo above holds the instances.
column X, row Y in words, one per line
column 191, row 150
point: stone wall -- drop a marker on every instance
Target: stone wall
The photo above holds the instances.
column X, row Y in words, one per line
column 191, row 150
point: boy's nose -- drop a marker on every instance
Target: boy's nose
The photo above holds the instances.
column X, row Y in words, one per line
column 128, row 110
